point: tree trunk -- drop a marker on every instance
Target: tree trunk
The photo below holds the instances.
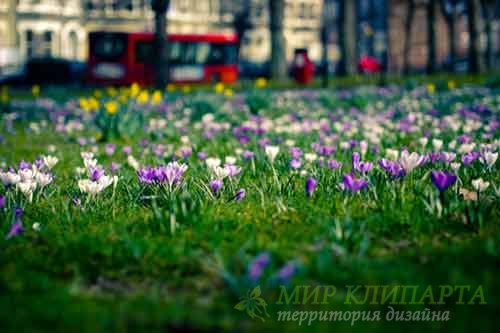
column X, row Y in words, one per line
column 488, row 10
column 473, row 7
column 160, row 8
column 278, row 55
column 453, row 43
column 431, row 36
column 408, row 29
column 347, row 37
column 326, row 20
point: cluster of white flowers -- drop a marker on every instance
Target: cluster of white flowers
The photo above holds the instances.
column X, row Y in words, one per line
column 30, row 177
column 97, row 180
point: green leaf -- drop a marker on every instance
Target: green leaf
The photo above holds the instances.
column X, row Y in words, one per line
column 241, row 305
column 255, row 292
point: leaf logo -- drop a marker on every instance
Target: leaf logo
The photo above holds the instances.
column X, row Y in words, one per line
column 254, row 305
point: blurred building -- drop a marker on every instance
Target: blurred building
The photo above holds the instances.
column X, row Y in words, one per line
column 302, row 23
column 59, row 28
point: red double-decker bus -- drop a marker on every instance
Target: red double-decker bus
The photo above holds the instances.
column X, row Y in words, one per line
column 119, row 58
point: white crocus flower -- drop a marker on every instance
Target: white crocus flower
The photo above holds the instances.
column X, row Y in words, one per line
column 43, row 179
column 437, row 144
column 230, row 160
column 423, row 141
column 410, row 161
column 213, row 162
column 392, row 154
column 9, row 178
column 220, row 172
column 455, row 166
column 480, row 185
column 90, row 163
column 133, row 162
column 310, row 157
column 489, row 158
column 50, row 161
column 26, row 174
column 27, row 187
column 272, row 152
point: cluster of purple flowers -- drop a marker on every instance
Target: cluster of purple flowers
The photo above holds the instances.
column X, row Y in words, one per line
column 392, row 168
column 170, row 174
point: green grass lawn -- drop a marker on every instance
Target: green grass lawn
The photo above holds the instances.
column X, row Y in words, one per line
column 139, row 257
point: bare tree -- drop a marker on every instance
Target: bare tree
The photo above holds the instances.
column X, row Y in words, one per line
column 449, row 11
column 488, row 12
column 278, row 56
column 473, row 23
column 410, row 15
column 326, row 21
column 347, row 37
column 242, row 20
column 431, row 8
column 160, row 8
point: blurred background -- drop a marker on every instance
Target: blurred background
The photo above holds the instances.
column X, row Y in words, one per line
column 338, row 37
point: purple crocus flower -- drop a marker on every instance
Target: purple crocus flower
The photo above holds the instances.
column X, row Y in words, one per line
column 295, row 164
column 202, row 155
column 39, row 164
column 77, row 201
column 358, row 165
column 232, row 170
column 127, row 150
column 96, row 173
column 334, row 164
column 296, row 153
column 470, row 157
column 248, row 155
column 257, row 266
column 310, row 186
column 354, row 184
column 16, row 227
column 287, row 271
column 110, row 149
column 392, row 168
column 240, row 194
column 24, row 165
column 146, row 175
column 442, row 179
column 216, row 185
column 2, row 201
column 115, row 167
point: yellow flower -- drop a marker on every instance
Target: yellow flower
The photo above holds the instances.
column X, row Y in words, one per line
column 143, row 97
column 112, row 91
column 35, row 90
column 93, row 104
column 431, row 88
column 228, row 92
column 111, row 107
column 134, row 89
column 98, row 136
column 186, row 89
column 84, row 104
column 452, row 85
column 261, row 82
column 219, row 88
column 170, row 87
column 156, row 97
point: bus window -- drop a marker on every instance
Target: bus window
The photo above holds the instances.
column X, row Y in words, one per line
column 109, row 46
column 221, row 54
